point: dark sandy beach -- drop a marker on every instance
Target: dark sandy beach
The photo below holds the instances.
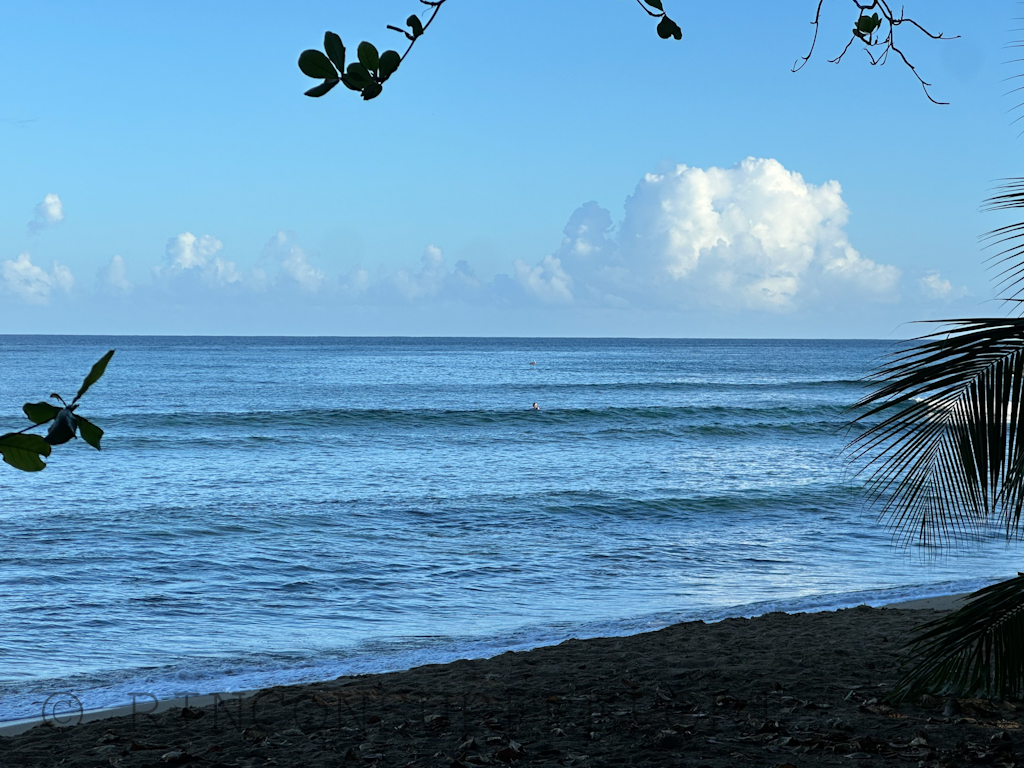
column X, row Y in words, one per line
column 776, row 690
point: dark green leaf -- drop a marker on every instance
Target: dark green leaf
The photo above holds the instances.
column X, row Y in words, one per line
column 23, row 451
column 94, row 374
column 655, row 4
column 368, row 56
column 40, row 413
column 324, row 87
column 416, row 25
column 359, row 76
column 389, row 61
column 868, row 24
column 335, row 50
column 63, row 427
column 89, row 432
column 315, row 63
column 350, row 83
column 371, row 91
column 668, row 28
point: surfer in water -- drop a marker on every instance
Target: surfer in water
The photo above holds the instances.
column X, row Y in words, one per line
column 536, row 407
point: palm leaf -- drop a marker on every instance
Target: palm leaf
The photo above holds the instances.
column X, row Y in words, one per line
column 976, row 649
column 1009, row 240
column 944, row 456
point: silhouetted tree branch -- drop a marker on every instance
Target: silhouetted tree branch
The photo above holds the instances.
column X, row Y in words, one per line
column 368, row 75
column 867, row 29
column 26, row 451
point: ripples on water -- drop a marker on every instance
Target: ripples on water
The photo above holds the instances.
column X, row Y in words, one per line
column 270, row 510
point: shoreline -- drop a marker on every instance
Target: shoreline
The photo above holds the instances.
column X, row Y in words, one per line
column 940, row 603
column 144, row 706
column 804, row 689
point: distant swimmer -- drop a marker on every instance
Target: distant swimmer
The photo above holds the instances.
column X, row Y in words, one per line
column 536, row 407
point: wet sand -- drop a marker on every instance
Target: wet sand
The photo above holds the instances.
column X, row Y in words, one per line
column 776, row 690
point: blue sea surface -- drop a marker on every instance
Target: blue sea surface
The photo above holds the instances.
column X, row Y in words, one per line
column 273, row 510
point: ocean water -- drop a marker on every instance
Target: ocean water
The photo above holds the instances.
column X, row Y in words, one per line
column 271, row 510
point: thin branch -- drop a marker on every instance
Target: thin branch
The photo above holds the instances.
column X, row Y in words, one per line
column 839, row 58
column 400, row 31
column 924, row 85
column 883, row 14
column 436, row 5
column 799, row 63
column 649, row 11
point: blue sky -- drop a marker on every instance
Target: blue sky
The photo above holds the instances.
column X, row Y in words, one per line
column 534, row 168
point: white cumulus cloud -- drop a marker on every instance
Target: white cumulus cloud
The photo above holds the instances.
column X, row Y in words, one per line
column 293, row 264
column 113, row 277
column 187, row 254
column 435, row 279
column 935, row 286
column 357, row 282
column 186, row 251
column 547, row 281
column 296, row 266
column 31, row 283
column 429, row 281
column 753, row 236
column 46, row 214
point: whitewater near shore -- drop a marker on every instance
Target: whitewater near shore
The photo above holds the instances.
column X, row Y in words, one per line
column 780, row 689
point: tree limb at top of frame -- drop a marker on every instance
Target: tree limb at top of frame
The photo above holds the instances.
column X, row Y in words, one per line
column 874, row 26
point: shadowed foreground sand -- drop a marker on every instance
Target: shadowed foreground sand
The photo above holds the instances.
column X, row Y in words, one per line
column 777, row 690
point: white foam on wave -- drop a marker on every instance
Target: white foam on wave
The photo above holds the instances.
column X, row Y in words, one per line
column 206, row 676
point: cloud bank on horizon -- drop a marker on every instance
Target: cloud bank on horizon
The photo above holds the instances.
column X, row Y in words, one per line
column 755, row 237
